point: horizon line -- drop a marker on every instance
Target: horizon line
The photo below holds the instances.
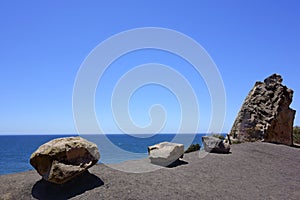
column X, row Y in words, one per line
column 77, row 134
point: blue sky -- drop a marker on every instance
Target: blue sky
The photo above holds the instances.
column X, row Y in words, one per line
column 43, row 44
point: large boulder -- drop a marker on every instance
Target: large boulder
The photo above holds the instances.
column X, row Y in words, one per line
column 265, row 113
column 165, row 153
column 60, row 160
column 215, row 145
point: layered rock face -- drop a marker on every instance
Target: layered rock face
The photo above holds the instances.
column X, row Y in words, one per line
column 60, row 160
column 165, row 153
column 265, row 113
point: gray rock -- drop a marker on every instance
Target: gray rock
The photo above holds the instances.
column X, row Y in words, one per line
column 265, row 114
column 60, row 160
column 165, row 153
column 215, row 145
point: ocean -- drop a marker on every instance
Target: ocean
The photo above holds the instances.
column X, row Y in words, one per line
column 15, row 150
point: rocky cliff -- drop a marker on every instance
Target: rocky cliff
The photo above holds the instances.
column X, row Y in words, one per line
column 265, row 113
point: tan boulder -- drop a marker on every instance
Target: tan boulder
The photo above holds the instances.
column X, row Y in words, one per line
column 60, row 160
column 165, row 153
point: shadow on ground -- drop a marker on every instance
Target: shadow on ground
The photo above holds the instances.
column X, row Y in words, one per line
column 84, row 182
column 177, row 163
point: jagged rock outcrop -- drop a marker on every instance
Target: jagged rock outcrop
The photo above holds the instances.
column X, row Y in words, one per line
column 265, row 113
column 165, row 153
column 62, row 159
column 215, row 145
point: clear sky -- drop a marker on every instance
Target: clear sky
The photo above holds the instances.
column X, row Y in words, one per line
column 43, row 44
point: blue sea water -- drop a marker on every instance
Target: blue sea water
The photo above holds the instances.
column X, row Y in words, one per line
column 15, row 150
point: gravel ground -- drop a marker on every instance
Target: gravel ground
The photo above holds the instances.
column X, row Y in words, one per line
column 251, row 171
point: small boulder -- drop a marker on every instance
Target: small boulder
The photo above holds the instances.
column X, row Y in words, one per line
column 62, row 159
column 165, row 153
column 215, row 145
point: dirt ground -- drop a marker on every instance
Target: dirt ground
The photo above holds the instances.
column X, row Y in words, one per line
column 251, row 171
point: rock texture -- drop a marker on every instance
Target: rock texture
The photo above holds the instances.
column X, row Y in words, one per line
column 265, row 113
column 62, row 159
column 165, row 153
column 215, row 145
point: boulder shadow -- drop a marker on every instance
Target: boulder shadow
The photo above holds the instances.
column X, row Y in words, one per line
column 221, row 153
column 295, row 145
column 177, row 163
column 45, row 190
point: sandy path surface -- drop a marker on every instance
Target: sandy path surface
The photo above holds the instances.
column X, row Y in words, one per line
column 251, row 171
